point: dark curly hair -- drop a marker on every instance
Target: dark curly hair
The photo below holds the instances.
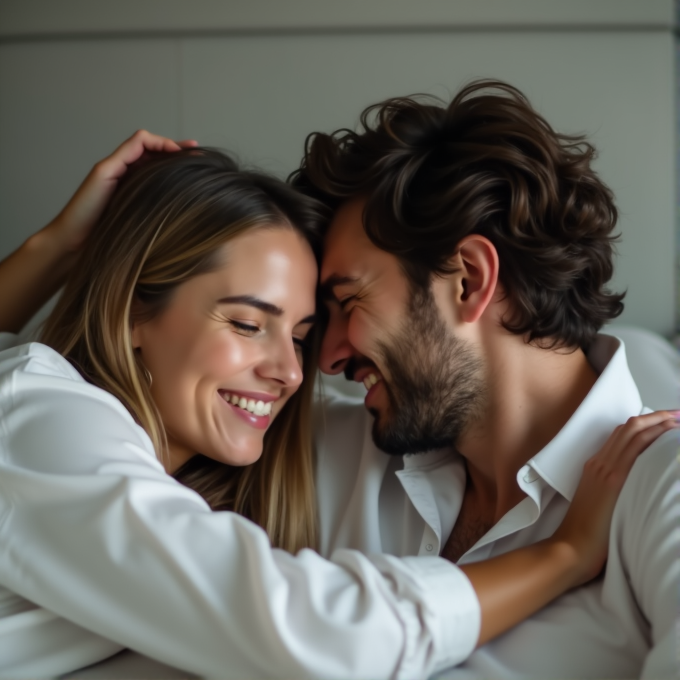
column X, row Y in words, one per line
column 487, row 164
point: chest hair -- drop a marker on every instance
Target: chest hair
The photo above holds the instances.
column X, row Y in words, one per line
column 470, row 526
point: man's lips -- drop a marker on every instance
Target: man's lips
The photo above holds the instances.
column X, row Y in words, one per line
column 369, row 375
column 372, row 380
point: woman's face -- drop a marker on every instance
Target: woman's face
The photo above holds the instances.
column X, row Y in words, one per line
column 226, row 353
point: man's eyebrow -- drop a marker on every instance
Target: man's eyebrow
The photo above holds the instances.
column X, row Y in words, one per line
column 326, row 288
column 266, row 307
column 251, row 301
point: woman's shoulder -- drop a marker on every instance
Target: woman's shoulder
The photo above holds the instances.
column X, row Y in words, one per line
column 47, row 406
column 33, row 358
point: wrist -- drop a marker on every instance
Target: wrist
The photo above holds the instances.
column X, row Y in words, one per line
column 51, row 242
column 566, row 561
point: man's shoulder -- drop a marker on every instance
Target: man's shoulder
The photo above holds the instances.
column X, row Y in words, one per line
column 651, row 490
column 660, row 458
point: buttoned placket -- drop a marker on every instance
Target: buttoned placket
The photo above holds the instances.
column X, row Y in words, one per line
column 416, row 481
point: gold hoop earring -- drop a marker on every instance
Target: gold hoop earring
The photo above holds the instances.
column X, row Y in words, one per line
column 147, row 375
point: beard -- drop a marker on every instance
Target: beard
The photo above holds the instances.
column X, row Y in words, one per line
column 436, row 387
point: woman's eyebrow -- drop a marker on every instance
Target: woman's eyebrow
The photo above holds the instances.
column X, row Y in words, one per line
column 266, row 307
column 251, row 301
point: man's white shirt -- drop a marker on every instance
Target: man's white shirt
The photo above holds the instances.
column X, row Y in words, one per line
column 623, row 625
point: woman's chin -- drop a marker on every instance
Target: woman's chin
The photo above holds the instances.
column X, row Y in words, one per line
column 238, row 456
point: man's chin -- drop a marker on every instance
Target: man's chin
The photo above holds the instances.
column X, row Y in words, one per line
column 397, row 441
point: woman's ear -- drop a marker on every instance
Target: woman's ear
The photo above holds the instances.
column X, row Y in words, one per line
column 135, row 324
column 135, row 336
column 476, row 276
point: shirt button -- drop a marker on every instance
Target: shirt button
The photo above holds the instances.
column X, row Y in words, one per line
column 428, row 547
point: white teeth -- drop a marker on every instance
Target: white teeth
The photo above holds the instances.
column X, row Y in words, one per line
column 370, row 380
column 258, row 408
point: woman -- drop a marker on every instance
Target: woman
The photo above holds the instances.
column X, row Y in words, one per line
column 184, row 329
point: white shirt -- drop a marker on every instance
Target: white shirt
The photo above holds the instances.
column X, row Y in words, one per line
column 100, row 549
column 621, row 626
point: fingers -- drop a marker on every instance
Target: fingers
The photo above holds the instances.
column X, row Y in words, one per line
column 131, row 150
column 615, row 459
column 636, row 427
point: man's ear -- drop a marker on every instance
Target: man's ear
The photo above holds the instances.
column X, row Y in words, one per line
column 476, row 276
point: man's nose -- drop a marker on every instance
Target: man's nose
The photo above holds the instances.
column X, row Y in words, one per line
column 336, row 349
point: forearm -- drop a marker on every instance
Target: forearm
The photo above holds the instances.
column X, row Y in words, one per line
column 514, row 586
column 30, row 276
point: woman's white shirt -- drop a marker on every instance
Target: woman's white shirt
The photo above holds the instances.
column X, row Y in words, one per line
column 101, row 549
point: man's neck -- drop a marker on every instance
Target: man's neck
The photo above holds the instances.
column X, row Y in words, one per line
column 532, row 394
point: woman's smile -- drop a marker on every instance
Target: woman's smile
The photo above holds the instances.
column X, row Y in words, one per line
column 253, row 408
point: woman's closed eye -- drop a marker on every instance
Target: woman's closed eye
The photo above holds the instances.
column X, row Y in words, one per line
column 244, row 328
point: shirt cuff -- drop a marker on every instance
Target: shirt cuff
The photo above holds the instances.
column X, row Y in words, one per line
column 452, row 607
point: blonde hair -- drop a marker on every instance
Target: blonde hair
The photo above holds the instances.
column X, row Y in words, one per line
column 163, row 226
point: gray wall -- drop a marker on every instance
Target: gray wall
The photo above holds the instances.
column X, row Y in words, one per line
column 77, row 77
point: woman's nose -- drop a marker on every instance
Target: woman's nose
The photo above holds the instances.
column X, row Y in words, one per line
column 283, row 364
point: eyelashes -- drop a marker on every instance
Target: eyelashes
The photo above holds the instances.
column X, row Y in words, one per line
column 343, row 303
column 249, row 331
column 245, row 328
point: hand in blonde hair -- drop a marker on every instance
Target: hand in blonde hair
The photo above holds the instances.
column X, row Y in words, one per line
column 71, row 227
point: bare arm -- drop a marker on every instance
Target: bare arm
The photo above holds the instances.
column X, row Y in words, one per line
column 514, row 586
column 34, row 272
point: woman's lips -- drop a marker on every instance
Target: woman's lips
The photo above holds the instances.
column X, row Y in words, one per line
column 257, row 415
column 258, row 422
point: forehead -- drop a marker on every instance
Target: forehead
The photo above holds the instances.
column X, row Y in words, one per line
column 275, row 263
column 348, row 252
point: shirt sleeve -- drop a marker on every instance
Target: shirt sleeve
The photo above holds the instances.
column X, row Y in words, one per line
column 645, row 540
column 92, row 529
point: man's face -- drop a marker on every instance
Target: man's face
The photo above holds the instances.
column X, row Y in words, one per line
column 424, row 382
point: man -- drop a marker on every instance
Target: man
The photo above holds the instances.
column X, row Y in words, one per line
column 465, row 273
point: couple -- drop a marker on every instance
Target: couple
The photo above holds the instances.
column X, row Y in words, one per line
column 462, row 254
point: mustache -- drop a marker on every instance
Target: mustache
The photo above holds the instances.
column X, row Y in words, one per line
column 356, row 363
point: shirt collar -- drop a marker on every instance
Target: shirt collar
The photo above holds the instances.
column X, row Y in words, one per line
column 612, row 400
